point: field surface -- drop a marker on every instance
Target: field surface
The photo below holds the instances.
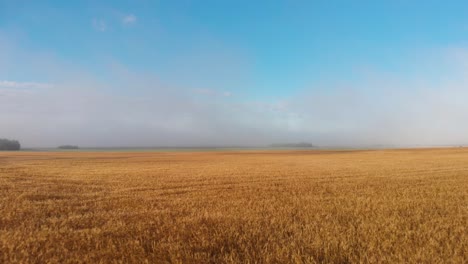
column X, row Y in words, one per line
column 376, row 206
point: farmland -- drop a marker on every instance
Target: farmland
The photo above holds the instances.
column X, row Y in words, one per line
column 385, row 206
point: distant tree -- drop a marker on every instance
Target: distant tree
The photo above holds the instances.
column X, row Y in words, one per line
column 292, row 145
column 68, row 147
column 6, row 144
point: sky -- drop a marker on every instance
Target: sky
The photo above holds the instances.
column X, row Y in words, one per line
column 237, row 73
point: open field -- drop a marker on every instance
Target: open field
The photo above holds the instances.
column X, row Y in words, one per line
column 385, row 206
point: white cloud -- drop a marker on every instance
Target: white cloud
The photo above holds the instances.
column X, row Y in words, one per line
column 13, row 84
column 212, row 92
column 99, row 25
column 129, row 19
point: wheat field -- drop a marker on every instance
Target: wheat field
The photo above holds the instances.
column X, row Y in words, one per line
column 368, row 206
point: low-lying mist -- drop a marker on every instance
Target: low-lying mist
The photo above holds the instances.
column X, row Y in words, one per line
column 124, row 107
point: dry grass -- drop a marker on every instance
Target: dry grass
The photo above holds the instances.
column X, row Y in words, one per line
column 387, row 206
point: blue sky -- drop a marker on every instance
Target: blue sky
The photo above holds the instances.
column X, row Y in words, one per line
column 256, row 62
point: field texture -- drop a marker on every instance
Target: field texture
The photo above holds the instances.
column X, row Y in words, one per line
column 381, row 206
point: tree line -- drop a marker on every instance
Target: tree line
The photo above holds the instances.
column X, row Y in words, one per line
column 7, row 144
column 68, row 147
column 292, row 145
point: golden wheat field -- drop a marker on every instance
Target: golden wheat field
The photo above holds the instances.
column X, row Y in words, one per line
column 374, row 206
